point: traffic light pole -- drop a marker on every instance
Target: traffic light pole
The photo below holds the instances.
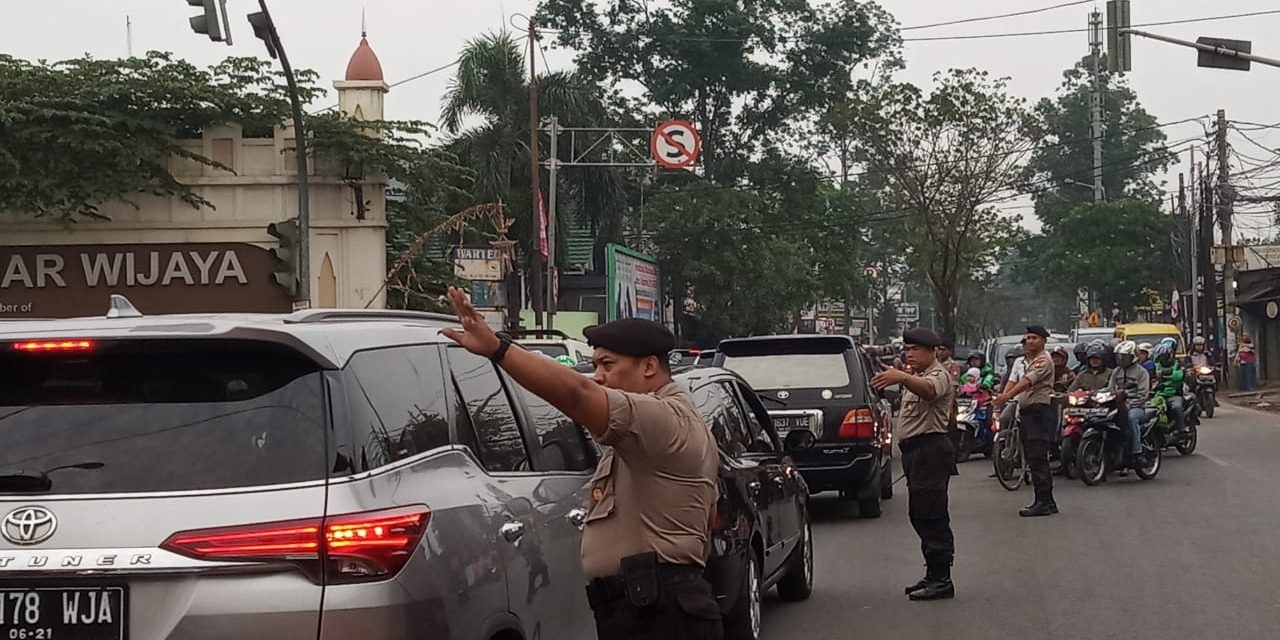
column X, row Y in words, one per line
column 1221, row 51
column 303, row 298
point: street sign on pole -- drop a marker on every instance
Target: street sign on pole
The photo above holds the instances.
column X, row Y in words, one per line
column 908, row 312
column 675, row 144
column 1213, row 60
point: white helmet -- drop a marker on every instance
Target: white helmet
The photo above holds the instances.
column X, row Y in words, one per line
column 1127, row 348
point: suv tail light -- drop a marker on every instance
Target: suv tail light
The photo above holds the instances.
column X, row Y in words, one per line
column 46, row 346
column 858, row 425
column 355, row 547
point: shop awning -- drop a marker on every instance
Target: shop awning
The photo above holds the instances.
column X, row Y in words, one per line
column 1261, row 285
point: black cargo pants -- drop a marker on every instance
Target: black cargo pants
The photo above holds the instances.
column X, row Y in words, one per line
column 681, row 606
column 929, row 461
column 1039, row 422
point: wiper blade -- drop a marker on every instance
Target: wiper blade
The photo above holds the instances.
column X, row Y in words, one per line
column 36, row 481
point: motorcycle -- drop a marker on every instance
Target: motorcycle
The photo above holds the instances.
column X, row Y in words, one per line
column 1073, row 428
column 1206, row 389
column 1186, row 441
column 1104, row 446
column 973, row 423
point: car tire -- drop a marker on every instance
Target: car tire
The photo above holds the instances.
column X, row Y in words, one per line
column 869, row 508
column 797, row 584
column 744, row 622
column 886, row 483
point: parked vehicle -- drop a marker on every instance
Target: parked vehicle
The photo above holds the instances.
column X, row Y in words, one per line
column 1206, row 389
column 353, row 470
column 820, row 384
column 553, row 343
column 764, row 537
column 1104, row 446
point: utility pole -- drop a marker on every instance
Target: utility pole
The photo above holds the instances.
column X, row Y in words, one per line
column 1095, row 102
column 1194, row 215
column 553, row 164
column 1226, row 206
column 1190, row 248
column 535, row 177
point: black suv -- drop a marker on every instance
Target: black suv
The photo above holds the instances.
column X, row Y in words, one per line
column 820, row 384
column 762, row 536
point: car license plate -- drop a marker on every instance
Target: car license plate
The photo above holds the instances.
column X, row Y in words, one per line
column 1085, row 412
column 782, row 424
column 63, row 613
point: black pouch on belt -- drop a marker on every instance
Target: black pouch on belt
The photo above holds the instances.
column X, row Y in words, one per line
column 640, row 574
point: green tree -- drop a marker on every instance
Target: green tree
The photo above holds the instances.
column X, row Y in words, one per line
column 945, row 160
column 1133, row 147
column 751, row 73
column 1116, row 248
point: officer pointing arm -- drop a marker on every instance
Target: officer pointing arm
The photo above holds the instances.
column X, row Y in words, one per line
column 647, row 532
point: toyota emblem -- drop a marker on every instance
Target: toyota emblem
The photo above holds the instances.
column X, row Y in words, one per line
column 783, row 395
column 28, row 525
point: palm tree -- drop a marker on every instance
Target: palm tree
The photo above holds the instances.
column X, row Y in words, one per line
column 486, row 110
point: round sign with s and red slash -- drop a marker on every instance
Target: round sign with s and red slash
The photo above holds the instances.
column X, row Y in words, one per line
column 675, row 144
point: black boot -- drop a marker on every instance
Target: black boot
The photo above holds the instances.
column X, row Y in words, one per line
column 924, row 582
column 939, row 586
column 1039, row 508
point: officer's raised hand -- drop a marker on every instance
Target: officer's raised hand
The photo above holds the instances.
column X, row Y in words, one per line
column 888, row 378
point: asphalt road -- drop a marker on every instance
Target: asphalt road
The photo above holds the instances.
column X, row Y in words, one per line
column 1194, row 553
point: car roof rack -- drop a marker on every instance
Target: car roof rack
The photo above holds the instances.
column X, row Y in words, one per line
column 310, row 316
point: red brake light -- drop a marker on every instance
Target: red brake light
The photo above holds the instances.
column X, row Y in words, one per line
column 44, row 346
column 858, row 424
column 360, row 546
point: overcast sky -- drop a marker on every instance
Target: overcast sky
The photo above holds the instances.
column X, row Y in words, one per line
column 412, row 36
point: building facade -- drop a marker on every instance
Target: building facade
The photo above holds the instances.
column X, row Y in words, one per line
column 168, row 257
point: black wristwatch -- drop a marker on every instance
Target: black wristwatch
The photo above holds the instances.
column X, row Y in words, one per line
column 505, row 341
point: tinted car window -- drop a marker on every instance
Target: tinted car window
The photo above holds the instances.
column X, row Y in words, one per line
column 791, row 370
column 398, row 403
column 164, row 416
column 501, row 443
column 758, row 440
column 719, row 409
column 563, row 442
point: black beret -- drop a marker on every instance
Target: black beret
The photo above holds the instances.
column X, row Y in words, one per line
column 947, row 342
column 632, row 337
column 1038, row 330
column 922, row 337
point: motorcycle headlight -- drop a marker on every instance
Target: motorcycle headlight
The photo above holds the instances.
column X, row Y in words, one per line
column 1204, row 371
column 1075, row 400
column 1103, row 397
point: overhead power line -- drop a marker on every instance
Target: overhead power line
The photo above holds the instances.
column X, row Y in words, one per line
column 997, row 17
column 983, row 36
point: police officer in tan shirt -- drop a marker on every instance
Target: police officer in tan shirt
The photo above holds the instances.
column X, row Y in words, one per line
column 1039, row 421
column 647, row 532
column 928, row 457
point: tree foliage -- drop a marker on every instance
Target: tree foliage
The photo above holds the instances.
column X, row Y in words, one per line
column 944, row 160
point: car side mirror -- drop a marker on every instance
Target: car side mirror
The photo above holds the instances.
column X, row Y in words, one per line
column 800, row 440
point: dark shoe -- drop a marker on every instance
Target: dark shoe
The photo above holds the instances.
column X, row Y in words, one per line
column 940, row 589
column 1039, row 509
column 924, row 582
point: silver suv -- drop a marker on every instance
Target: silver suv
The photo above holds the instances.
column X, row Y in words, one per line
column 325, row 474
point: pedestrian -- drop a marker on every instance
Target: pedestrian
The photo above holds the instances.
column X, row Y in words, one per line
column 1247, row 359
column 928, row 457
column 946, row 356
column 1034, row 393
column 647, row 531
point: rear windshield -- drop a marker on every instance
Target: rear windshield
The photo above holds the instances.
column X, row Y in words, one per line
column 162, row 416
column 791, row 371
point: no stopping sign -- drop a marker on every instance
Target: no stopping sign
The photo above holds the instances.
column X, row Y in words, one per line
column 675, row 144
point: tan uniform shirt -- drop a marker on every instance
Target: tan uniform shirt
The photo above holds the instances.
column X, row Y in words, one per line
column 655, row 487
column 920, row 416
column 1041, row 373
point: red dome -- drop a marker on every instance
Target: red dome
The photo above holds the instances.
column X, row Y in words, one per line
column 364, row 64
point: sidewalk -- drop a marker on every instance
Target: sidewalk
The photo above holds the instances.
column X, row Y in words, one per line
column 1265, row 397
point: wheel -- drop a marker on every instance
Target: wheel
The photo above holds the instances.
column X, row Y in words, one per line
column 1210, row 402
column 797, row 584
column 1188, row 446
column 964, row 448
column 1154, row 455
column 1091, row 460
column 869, row 508
column 743, row 623
column 1006, row 457
column 886, row 483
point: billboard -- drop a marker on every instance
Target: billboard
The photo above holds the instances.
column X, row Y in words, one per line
column 633, row 285
column 477, row 263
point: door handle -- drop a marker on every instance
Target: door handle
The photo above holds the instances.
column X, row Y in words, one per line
column 577, row 517
column 512, row 531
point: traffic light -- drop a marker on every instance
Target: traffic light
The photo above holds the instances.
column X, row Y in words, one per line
column 262, row 28
column 284, row 259
column 207, row 23
column 1119, row 45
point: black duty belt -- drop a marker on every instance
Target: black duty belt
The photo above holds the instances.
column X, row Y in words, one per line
column 610, row 588
column 920, row 440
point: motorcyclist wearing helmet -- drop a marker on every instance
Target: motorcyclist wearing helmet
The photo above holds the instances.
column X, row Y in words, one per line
column 1169, row 380
column 1144, row 358
column 1081, row 352
column 1200, row 355
column 1131, row 378
column 986, row 372
column 1062, row 375
column 1096, row 374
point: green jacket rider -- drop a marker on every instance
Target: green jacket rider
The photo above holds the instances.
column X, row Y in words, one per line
column 1170, row 378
